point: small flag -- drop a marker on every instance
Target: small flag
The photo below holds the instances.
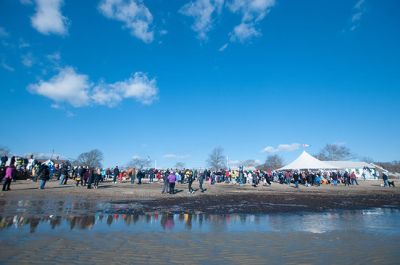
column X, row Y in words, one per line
column 306, row 145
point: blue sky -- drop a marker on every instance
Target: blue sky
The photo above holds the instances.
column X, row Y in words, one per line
column 173, row 79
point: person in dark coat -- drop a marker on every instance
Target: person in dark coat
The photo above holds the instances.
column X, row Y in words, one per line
column 165, row 182
column 296, row 179
column 44, row 175
column 385, row 179
column 115, row 175
column 140, row 175
column 190, row 182
column 334, row 178
column 91, row 177
column 64, row 174
column 4, row 160
column 346, row 178
column 202, row 177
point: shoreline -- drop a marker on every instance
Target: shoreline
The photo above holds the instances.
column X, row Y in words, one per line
column 124, row 198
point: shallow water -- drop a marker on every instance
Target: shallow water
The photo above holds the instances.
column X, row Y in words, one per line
column 346, row 237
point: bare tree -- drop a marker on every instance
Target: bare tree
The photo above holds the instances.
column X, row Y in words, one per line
column 92, row 158
column 249, row 163
column 273, row 162
column 139, row 162
column 334, row 152
column 4, row 151
column 216, row 160
column 180, row 165
column 367, row 159
column 390, row 166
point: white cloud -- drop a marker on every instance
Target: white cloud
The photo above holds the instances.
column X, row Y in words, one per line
column 282, row 148
column 252, row 12
column 357, row 15
column 138, row 87
column 48, row 18
column 46, row 155
column 3, row 33
column 133, row 13
column 67, row 86
column 76, row 89
column 27, row 60
column 105, row 95
column 7, row 67
column 203, row 13
column 175, row 156
column 244, row 32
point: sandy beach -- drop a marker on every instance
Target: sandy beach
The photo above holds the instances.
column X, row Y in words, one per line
column 26, row 198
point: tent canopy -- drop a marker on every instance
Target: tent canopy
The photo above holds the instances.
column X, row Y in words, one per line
column 349, row 164
column 307, row 161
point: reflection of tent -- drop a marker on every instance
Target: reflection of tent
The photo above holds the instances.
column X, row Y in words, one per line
column 307, row 161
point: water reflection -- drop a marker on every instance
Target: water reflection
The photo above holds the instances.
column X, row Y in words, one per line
column 371, row 220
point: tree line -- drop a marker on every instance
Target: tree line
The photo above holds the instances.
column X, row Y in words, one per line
column 217, row 160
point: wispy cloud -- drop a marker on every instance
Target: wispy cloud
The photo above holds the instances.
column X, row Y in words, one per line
column 26, row 2
column 76, row 89
column 3, row 33
column 252, row 12
column 282, row 148
column 27, row 60
column 6, row 66
column 175, row 156
column 203, row 13
column 357, row 15
column 223, row 47
column 133, row 13
column 23, row 44
column 48, row 18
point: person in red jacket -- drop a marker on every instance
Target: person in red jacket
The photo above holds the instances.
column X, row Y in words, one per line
column 353, row 178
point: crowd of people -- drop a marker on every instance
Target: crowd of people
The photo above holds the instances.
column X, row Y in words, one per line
column 15, row 168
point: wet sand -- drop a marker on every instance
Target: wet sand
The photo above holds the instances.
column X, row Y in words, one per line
column 125, row 198
column 193, row 248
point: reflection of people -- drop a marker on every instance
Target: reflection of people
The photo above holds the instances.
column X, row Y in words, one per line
column 167, row 221
column 109, row 219
column 188, row 221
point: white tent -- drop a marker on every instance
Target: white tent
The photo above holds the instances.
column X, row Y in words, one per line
column 349, row 164
column 307, row 161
